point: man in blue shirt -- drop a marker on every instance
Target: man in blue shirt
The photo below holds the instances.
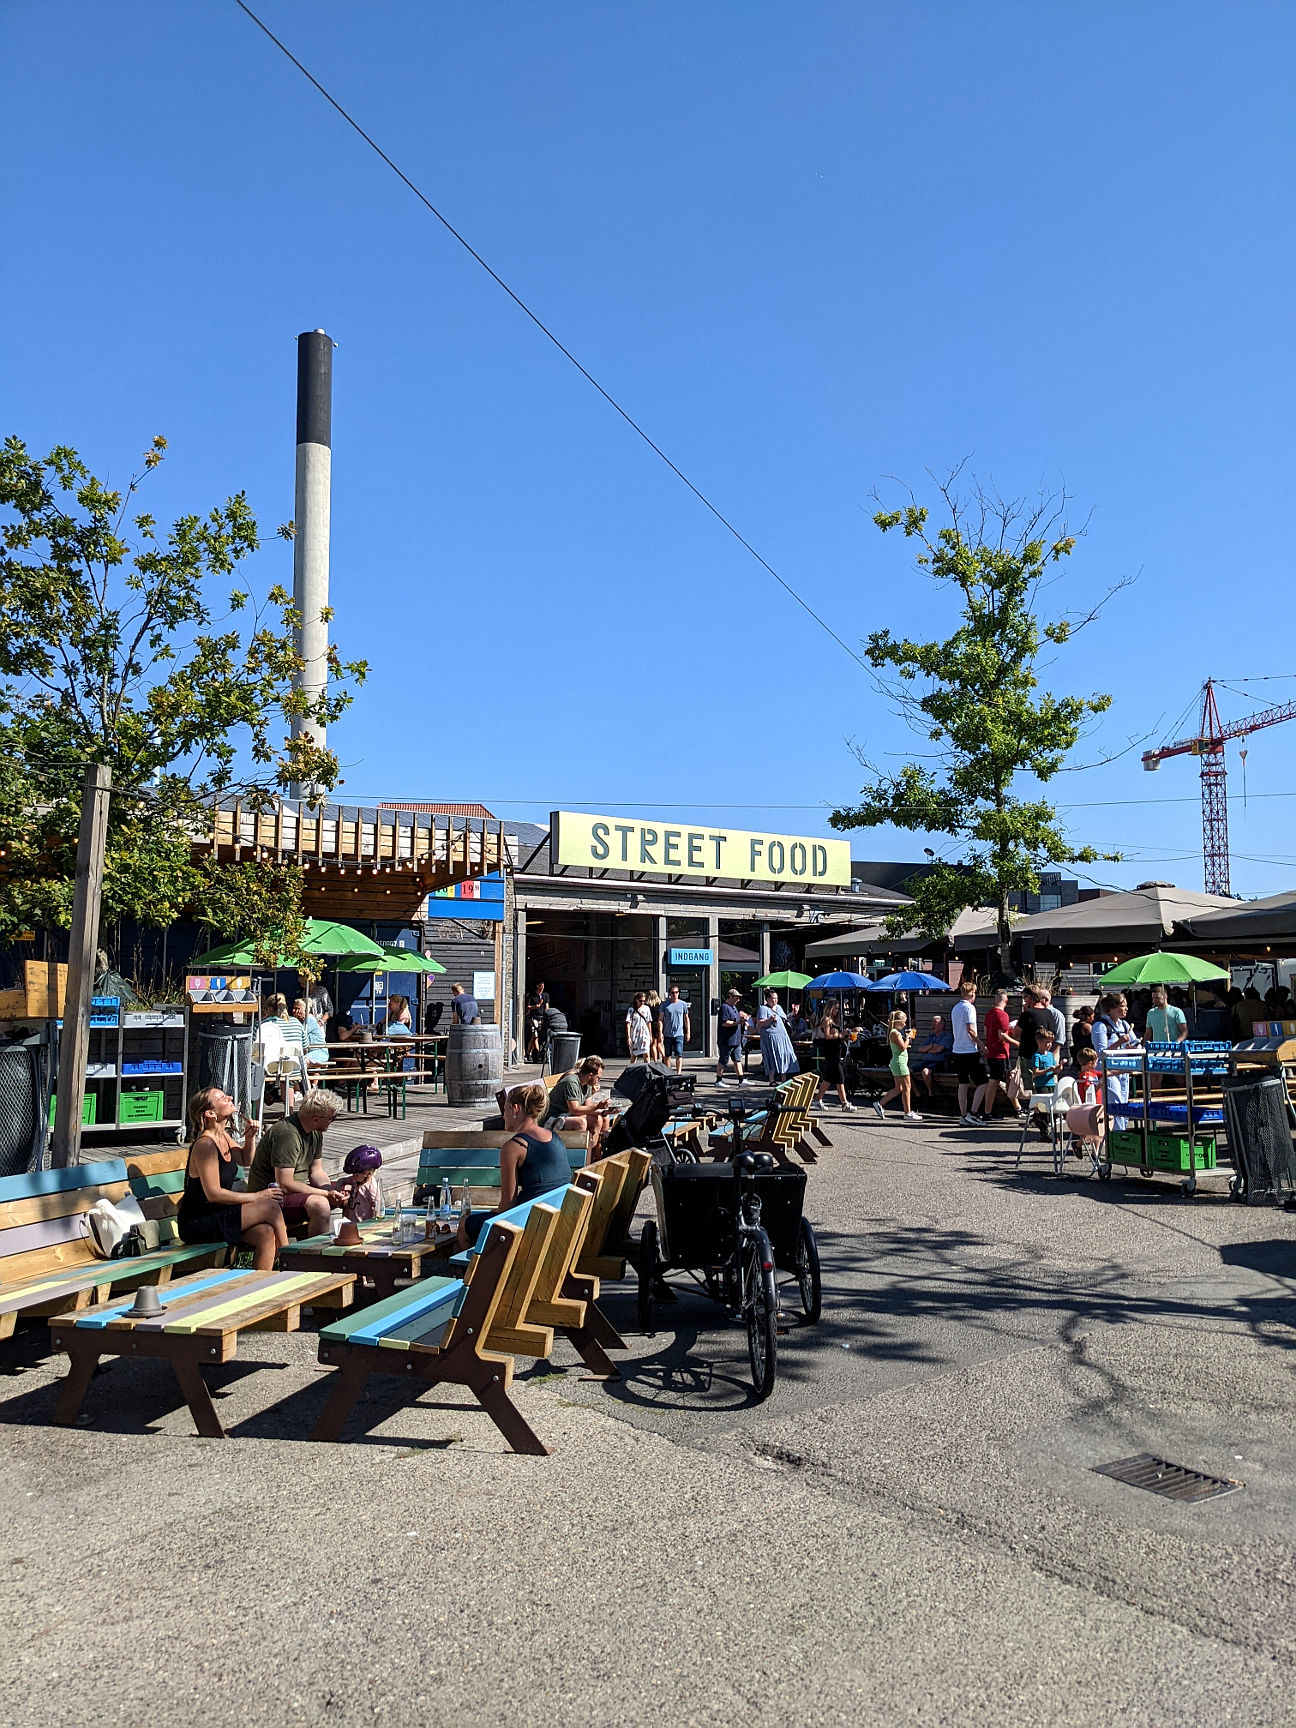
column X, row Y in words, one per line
column 676, row 1029
column 729, row 1039
column 464, row 1007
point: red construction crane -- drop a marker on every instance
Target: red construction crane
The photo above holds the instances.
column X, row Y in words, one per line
column 1208, row 743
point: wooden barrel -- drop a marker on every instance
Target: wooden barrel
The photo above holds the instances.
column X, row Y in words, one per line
column 474, row 1067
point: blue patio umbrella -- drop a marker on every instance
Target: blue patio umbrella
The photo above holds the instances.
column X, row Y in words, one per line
column 908, row 981
column 837, row 981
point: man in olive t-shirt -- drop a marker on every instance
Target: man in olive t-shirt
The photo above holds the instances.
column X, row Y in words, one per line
column 289, row 1154
column 570, row 1100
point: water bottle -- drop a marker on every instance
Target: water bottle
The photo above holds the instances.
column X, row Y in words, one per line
column 465, row 1207
column 447, row 1200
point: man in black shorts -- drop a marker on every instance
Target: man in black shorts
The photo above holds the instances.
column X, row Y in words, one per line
column 968, row 1065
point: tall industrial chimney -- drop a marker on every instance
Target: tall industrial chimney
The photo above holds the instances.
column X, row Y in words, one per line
column 311, row 517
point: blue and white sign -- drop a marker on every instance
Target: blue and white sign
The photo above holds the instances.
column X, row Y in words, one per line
column 689, row 956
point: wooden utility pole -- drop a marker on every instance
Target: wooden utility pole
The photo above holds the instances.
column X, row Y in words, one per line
column 74, row 1044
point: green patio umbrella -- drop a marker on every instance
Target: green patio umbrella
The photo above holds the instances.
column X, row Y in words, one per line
column 323, row 937
column 782, row 981
column 393, row 960
column 1165, row 969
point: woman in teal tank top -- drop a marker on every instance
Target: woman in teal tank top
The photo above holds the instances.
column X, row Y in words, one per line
column 532, row 1160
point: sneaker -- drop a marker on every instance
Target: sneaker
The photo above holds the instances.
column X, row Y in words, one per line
column 849, row 1106
column 744, row 1082
column 912, row 1116
column 878, row 1111
column 723, row 1083
column 970, row 1121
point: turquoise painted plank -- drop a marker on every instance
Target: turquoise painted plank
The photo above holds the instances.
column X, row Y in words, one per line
column 165, row 1182
column 436, row 1319
column 15, row 1297
column 369, row 1324
column 166, row 1293
column 60, row 1181
column 518, row 1215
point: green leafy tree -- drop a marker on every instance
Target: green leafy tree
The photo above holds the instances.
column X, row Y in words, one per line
column 131, row 645
column 976, row 700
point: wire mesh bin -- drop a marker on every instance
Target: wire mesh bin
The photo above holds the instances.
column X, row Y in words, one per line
column 1259, row 1116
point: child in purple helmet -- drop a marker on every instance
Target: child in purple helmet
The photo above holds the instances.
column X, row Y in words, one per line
column 364, row 1191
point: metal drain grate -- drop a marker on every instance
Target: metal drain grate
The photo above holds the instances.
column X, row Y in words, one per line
column 1173, row 1481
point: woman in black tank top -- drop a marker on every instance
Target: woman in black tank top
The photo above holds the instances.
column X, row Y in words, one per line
column 211, row 1209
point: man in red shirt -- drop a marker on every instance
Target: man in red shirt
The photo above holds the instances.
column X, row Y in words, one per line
column 998, row 1053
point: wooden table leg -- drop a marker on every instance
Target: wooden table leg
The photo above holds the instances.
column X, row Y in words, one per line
column 198, row 1398
column 83, row 1359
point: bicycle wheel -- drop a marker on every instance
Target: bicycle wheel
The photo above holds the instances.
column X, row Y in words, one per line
column 760, row 1307
column 648, row 1274
column 807, row 1272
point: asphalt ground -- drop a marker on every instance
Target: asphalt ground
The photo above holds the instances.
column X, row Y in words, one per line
column 911, row 1529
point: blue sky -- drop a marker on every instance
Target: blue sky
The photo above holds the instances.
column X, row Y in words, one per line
column 809, row 246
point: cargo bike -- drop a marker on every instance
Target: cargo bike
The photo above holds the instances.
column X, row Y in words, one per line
column 734, row 1227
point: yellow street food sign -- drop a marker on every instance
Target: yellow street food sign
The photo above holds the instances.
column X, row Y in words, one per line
column 691, row 849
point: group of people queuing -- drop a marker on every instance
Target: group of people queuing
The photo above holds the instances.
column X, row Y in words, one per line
column 1025, row 1058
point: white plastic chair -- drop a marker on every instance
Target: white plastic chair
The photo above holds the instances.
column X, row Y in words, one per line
column 1054, row 1105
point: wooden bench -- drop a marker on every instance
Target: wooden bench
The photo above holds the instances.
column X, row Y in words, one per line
column 447, row 1331
column 201, row 1319
column 786, row 1126
column 534, row 1270
column 47, row 1265
column 461, row 1157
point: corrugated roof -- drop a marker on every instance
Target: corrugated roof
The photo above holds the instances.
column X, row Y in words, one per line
column 477, row 810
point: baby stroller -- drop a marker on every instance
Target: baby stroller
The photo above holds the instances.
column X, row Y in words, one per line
column 653, row 1101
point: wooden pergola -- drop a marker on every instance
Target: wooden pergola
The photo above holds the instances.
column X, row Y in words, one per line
column 361, row 862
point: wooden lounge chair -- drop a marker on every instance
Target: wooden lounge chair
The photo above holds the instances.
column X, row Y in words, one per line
column 790, row 1122
column 47, row 1265
column 534, row 1271
column 199, row 1323
column 449, row 1331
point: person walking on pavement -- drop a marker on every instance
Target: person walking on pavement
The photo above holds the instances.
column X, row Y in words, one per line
column 828, row 1048
column 657, row 1048
column 898, row 1039
column 639, row 1028
column 777, row 1054
column 967, row 1051
column 677, row 1028
column 729, row 1040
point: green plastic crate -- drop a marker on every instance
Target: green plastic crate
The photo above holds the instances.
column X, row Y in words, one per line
column 89, row 1104
column 140, row 1106
column 1166, row 1150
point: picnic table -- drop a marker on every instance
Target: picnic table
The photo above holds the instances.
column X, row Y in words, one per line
column 375, row 1257
column 353, row 1068
column 199, row 1321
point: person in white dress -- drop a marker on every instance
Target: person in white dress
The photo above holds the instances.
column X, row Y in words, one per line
column 639, row 1028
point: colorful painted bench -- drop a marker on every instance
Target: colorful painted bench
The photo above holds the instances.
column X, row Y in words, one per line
column 451, row 1331
column 47, row 1265
column 199, row 1323
column 533, row 1271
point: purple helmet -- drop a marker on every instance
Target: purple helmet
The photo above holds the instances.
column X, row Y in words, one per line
column 361, row 1159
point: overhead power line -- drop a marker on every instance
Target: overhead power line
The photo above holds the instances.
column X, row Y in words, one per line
column 544, row 329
